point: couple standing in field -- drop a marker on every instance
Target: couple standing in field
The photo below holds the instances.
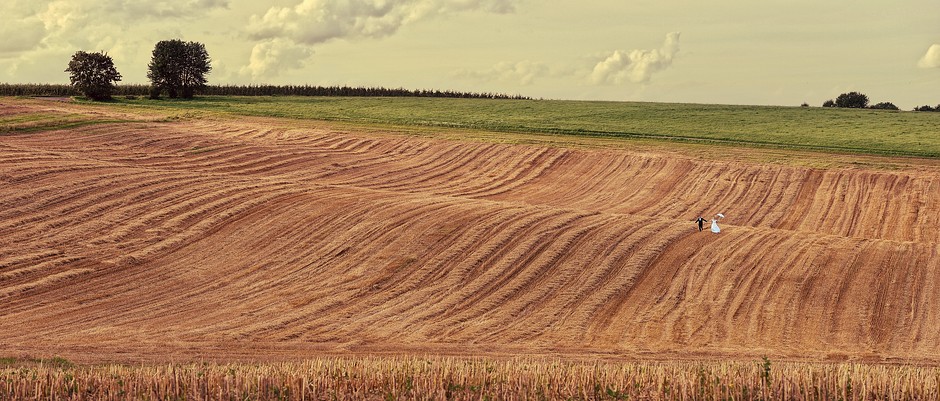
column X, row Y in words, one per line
column 715, row 229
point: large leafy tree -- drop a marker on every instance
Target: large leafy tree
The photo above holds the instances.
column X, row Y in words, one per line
column 179, row 68
column 93, row 74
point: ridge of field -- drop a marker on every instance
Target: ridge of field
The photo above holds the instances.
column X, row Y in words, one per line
column 264, row 239
column 811, row 128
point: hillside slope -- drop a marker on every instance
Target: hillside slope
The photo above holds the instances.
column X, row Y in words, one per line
column 239, row 238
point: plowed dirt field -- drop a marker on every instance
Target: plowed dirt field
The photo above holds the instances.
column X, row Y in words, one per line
column 243, row 238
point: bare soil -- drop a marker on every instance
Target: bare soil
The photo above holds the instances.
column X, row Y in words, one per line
column 253, row 239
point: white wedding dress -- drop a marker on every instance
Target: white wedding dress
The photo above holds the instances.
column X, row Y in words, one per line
column 715, row 228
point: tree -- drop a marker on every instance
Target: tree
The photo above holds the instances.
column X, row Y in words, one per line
column 93, row 74
column 885, row 106
column 829, row 103
column 178, row 67
column 852, row 100
column 925, row 108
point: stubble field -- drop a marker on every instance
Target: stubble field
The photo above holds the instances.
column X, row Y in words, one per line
column 129, row 236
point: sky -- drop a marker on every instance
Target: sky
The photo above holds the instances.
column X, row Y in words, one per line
column 688, row 51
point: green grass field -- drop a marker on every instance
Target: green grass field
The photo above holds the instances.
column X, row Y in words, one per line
column 811, row 128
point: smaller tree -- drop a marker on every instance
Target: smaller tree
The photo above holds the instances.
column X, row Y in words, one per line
column 829, row 103
column 924, row 108
column 852, row 100
column 93, row 74
column 885, row 106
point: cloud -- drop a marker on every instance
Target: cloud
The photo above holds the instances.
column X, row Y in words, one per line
column 65, row 13
column 272, row 57
column 158, row 9
column 35, row 32
column 637, row 66
column 280, row 31
column 931, row 59
column 79, row 24
column 317, row 21
column 522, row 72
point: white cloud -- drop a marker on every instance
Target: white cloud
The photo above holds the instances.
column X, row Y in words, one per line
column 271, row 57
column 318, row 21
column 931, row 59
column 282, row 30
column 522, row 72
column 637, row 66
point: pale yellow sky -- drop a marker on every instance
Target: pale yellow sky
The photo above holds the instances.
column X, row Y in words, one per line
column 767, row 52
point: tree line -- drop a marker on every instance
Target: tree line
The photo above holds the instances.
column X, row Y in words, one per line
column 179, row 69
column 856, row 100
column 141, row 90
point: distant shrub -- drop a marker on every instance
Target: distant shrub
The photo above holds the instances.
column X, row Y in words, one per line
column 925, row 108
column 885, row 106
column 829, row 103
column 852, row 100
column 804, row 104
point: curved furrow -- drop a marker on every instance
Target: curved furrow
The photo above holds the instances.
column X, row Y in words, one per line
column 609, row 284
column 297, row 257
column 447, row 172
column 572, row 170
column 48, row 192
column 418, row 280
column 194, row 159
column 494, row 285
column 259, row 163
column 400, row 173
column 14, row 275
column 495, row 170
column 418, row 288
column 666, row 189
column 485, row 239
column 132, row 291
column 539, row 303
column 715, row 297
column 82, row 204
column 340, row 167
column 114, row 140
column 255, row 271
column 33, row 172
column 925, row 285
column 122, row 205
column 393, row 166
column 773, row 190
column 511, row 178
column 287, row 281
column 396, row 237
column 808, row 185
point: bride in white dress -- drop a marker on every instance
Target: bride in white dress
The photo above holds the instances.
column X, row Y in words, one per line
column 715, row 228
